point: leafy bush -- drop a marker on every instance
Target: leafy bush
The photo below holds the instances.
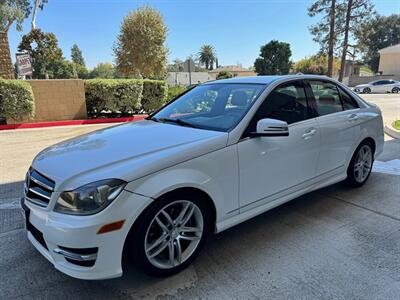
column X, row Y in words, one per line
column 154, row 94
column 113, row 94
column 16, row 99
column 223, row 75
column 174, row 91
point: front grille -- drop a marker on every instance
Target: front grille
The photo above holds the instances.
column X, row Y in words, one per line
column 38, row 188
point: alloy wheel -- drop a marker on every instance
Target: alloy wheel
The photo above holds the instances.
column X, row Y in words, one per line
column 363, row 163
column 395, row 90
column 367, row 91
column 174, row 234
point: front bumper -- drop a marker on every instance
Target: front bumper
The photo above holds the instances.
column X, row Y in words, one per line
column 100, row 255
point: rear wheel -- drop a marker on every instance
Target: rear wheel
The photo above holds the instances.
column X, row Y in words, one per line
column 367, row 90
column 361, row 165
column 170, row 235
column 395, row 90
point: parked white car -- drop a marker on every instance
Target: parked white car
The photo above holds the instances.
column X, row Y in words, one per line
column 379, row 86
column 222, row 153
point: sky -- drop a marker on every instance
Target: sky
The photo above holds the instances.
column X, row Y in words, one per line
column 236, row 28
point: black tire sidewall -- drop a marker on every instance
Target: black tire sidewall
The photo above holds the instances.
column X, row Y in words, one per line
column 136, row 238
column 351, row 180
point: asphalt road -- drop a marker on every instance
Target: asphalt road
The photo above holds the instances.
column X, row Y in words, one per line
column 388, row 103
column 335, row 243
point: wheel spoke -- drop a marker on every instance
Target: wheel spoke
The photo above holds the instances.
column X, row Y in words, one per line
column 162, row 225
column 168, row 218
column 190, row 229
column 171, row 249
column 183, row 212
column 188, row 215
column 189, row 238
column 159, row 249
column 157, row 242
column 178, row 251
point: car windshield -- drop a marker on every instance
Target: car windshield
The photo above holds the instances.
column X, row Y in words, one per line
column 218, row 106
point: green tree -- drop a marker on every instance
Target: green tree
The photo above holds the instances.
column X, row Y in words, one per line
column 316, row 64
column 62, row 69
column 176, row 66
column 326, row 31
column 77, row 56
column 357, row 11
column 140, row 48
column 103, row 70
column 375, row 34
column 44, row 50
column 82, row 71
column 38, row 4
column 274, row 59
column 11, row 11
column 207, row 56
column 224, row 75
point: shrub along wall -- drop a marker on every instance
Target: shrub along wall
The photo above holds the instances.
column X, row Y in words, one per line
column 125, row 95
column 16, row 99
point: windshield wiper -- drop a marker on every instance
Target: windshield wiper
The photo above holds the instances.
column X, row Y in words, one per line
column 176, row 121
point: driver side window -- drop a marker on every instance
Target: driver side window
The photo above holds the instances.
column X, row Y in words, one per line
column 286, row 103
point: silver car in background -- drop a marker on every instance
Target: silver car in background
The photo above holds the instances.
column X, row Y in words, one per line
column 379, row 86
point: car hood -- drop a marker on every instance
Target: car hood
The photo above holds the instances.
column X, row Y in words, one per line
column 126, row 151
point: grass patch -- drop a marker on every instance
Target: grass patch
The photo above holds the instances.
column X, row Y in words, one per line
column 396, row 124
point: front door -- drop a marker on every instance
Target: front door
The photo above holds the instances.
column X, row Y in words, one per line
column 271, row 167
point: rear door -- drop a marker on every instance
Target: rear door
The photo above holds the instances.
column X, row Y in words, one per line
column 338, row 119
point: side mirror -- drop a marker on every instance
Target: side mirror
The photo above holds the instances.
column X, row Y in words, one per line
column 271, row 127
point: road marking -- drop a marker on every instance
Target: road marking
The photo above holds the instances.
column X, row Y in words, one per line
column 388, row 167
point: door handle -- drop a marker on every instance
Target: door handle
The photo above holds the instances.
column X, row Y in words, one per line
column 309, row 133
column 352, row 117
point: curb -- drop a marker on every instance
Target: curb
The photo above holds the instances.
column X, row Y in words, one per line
column 71, row 122
column 394, row 133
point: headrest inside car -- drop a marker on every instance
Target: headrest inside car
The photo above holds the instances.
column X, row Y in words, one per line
column 239, row 98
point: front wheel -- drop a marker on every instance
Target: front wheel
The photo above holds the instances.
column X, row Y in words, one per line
column 360, row 165
column 395, row 90
column 170, row 235
column 367, row 90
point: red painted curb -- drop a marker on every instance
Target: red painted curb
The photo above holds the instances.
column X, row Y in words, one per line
column 72, row 122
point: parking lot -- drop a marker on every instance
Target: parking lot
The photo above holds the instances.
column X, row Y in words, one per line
column 335, row 243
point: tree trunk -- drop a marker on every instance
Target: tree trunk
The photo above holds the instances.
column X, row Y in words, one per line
column 35, row 9
column 6, row 66
column 345, row 40
column 331, row 42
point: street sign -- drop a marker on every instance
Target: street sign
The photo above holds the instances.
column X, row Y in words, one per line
column 24, row 64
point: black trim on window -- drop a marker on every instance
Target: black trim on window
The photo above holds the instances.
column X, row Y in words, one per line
column 311, row 112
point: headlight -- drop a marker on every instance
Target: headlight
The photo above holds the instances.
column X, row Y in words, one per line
column 91, row 198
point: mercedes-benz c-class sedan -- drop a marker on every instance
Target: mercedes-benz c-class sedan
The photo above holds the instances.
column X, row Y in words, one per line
column 219, row 154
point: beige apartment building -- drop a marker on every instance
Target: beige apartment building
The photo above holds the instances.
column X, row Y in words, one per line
column 389, row 60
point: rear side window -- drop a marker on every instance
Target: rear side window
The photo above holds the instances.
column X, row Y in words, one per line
column 347, row 100
column 327, row 97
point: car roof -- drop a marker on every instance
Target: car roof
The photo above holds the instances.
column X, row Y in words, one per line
column 266, row 80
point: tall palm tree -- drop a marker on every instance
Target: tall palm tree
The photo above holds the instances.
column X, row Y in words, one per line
column 207, row 56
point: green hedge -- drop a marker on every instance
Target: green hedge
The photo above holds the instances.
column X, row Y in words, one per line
column 113, row 94
column 175, row 91
column 154, row 94
column 16, row 99
column 124, row 95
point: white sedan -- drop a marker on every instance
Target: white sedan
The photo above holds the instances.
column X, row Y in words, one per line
column 379, row 86
column 221, row 153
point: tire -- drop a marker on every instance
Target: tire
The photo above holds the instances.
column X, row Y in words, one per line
column 156, row 232
column 360, row 165
column 367, row 90
column 395, row 90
